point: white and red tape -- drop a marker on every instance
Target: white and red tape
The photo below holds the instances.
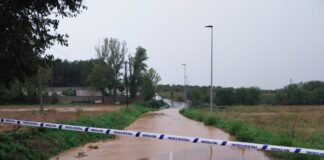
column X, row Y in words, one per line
column 160, row 136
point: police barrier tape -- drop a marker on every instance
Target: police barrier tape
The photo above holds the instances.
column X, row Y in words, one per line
column 165, row 137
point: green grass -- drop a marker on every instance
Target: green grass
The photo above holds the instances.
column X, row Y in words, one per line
column 250, row 133
column 40, row 143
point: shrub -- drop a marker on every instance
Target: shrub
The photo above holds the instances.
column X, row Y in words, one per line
column 232, row 126
column 180, row 98
column 210, row 120
column 69, row 92
column 153, row 104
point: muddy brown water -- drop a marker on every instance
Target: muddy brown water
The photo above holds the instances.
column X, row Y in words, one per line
column 167, row 121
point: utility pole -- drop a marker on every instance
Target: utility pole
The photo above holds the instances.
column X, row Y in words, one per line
column 211, row 69
column 40, row 89
column 126, row 84
column 172, row 94
column 185, row 86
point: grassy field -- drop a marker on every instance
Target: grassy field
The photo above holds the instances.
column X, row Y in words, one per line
column 305, row 122
column 300, row 126
column 40, row 143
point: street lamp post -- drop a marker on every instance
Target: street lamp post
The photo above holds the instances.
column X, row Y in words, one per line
column 185, row 85
column 211, row 69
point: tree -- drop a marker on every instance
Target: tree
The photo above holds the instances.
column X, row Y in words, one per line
column 154, row 77
column 268, row 98
column 247, row 96
column 112, row 52
column 27, row 29
column 117, row 51
column 111, row 58
column 98, row 79
column 25, row 92
column 85, row 69
column 302, row 93
column 12, row 94
column 103, row 50
column 224, row 96
column 69, row 74
column 150, row 80
column 195, row 96
column 148, row 89
column 137, row 67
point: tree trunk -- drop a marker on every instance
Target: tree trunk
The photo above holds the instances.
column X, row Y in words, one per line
column 102, row 96
column 115, row 87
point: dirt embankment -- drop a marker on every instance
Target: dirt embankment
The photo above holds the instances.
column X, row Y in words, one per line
column 53, row 113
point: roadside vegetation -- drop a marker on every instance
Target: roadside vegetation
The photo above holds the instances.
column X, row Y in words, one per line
column 290, row 116
column 306, row 93
column 298, row 126
column 40, row 143
column 154, row 104
column 27, row 72
column 106, row 74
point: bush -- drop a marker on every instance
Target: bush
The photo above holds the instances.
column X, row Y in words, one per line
column 211, row 120
column 246, row 133
column 180, row 98
column 232, row 127
column 69, row 92
column 153, row 104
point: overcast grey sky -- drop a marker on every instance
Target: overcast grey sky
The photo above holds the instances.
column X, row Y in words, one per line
column 260, row 43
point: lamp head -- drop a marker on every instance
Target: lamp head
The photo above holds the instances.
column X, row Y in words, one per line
column 209, row 26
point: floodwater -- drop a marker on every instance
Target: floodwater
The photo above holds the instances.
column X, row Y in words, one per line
column 167, row 121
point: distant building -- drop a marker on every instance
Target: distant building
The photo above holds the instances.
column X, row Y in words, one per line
column 157, row 97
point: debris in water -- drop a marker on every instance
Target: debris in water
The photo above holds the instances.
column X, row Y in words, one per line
column 81, row 154
column 93, row 147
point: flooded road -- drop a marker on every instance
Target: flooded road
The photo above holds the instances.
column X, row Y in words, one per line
column 167, row 121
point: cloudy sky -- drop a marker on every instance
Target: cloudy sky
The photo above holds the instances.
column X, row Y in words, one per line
column 260, row 43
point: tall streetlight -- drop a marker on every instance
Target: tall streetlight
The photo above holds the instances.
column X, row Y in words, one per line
column 211, row 68
column 185, row 85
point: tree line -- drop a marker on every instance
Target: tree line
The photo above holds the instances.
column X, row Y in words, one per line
column 106, row 73
column 308, row 93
